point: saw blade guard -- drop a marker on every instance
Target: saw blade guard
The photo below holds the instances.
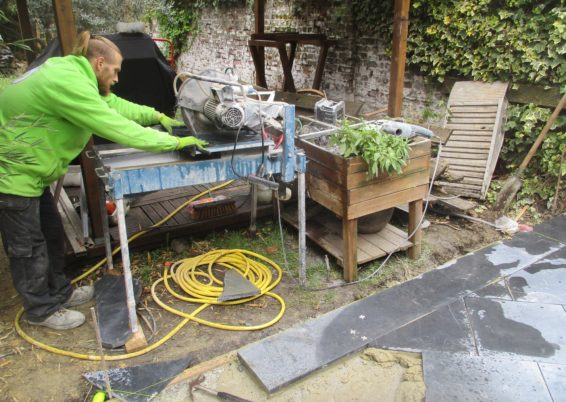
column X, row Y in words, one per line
column 213, row 101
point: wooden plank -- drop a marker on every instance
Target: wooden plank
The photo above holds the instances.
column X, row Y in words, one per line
column 467, row 150
column 465, row 109
column 461, row 126
column 361, row 179
column 471, row 162
column 469, row 169
column 449, row 154
column 378, row 190
column 460, row 185
column 332, row 201
column 321, row 155
column 72, row 224
column 464, row 144
column 453, row 120
column 469, row 104
column 538, row 94
column 472, row 114
column 387, row 201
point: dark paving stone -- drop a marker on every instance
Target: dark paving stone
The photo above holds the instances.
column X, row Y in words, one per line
column 112, row 310
column 446, row 329
column 292, row 354
column 529, row 331
column 139, row 383
column 554, row 228
column 555, row 377
column 496, row 290
column 542, row 282
column 458, row 377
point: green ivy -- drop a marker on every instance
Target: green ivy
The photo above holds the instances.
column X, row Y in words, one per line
column 178, row 20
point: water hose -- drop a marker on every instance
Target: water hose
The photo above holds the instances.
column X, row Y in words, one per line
column 195, row 277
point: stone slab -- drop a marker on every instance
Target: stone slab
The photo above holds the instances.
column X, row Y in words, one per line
column 542, row 282
column 498, row 290
column 553, row 228
column 139, row 383
column 112, row 309
column 457, row 377
column 446, row 329
column 527, row 331
column 288, row 356
column 555, row 377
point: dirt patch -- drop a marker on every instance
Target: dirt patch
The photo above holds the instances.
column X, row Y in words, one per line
column 31, row 374
column 371, row 375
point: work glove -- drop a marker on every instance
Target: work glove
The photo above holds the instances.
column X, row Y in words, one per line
column 168, row 123
column 191, row 144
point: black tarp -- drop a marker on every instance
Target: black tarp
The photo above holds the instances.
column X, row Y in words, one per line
column 146, row 77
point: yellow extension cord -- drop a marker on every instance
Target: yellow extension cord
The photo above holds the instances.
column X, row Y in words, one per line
column 185, row 274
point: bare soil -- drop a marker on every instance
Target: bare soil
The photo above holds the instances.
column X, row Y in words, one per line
column 31, row 374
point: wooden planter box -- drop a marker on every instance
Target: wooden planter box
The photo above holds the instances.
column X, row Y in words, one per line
column 343, row 186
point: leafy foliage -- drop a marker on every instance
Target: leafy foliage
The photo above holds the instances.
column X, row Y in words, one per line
column 382, row 152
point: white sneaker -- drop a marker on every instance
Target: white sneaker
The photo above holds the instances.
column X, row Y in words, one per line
column 62, row 319
column 79, row 296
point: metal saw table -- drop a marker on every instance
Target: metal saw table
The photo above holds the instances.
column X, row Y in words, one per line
column 126, row 171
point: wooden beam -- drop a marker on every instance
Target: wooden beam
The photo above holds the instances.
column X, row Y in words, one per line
column 398, row 58
column 25, row 28
column 65, row 21
column 259, row 59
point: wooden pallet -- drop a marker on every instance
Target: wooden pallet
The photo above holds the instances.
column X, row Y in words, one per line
column 476, row 115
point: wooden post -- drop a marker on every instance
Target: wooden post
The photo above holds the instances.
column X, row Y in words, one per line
column 350, row 248
column 65, row 21
column 67, row 34
column 415, row 216
column 398, row 57
column 259, row 59
column 25, row 28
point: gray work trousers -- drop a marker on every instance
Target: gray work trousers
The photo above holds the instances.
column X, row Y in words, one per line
column 32, row 234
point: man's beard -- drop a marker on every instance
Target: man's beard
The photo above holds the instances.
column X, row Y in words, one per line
column 104, row 91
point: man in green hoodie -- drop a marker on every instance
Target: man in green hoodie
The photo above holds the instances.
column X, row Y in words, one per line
column 47, row 117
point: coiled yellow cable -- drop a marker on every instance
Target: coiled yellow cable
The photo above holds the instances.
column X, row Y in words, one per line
column 186, row 273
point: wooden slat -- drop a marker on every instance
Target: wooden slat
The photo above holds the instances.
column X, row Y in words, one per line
column 470, row 162
column 469, row 150
column 479, row 109
column 464, row 168
column 460, row 185
column 378, row 190
column 324, row 157
column 461, row 126
column 387, row 201
column 449, row 154
column 453, row 120
column 459, row 143
column 474, row 114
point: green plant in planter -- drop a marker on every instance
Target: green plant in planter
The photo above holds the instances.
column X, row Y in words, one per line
column 381, row 151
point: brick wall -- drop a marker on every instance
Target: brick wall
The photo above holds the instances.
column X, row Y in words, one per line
column 357, row 68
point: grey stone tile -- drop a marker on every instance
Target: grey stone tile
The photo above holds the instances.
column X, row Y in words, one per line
column 527, row 331
column 555, row 377
column 292, row 354
column 446, row 329
column 496, row 290
column 543, row 281
column 456, row 377
column 554, row 228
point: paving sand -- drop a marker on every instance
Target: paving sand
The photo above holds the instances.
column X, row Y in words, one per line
column 370, row 375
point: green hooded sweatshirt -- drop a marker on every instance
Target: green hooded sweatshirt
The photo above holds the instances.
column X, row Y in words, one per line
column 48, row 115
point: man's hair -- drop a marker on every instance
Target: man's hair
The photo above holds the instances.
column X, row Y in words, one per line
column 92, row 46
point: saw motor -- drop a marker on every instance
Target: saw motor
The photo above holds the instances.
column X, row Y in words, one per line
column 213, row 101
